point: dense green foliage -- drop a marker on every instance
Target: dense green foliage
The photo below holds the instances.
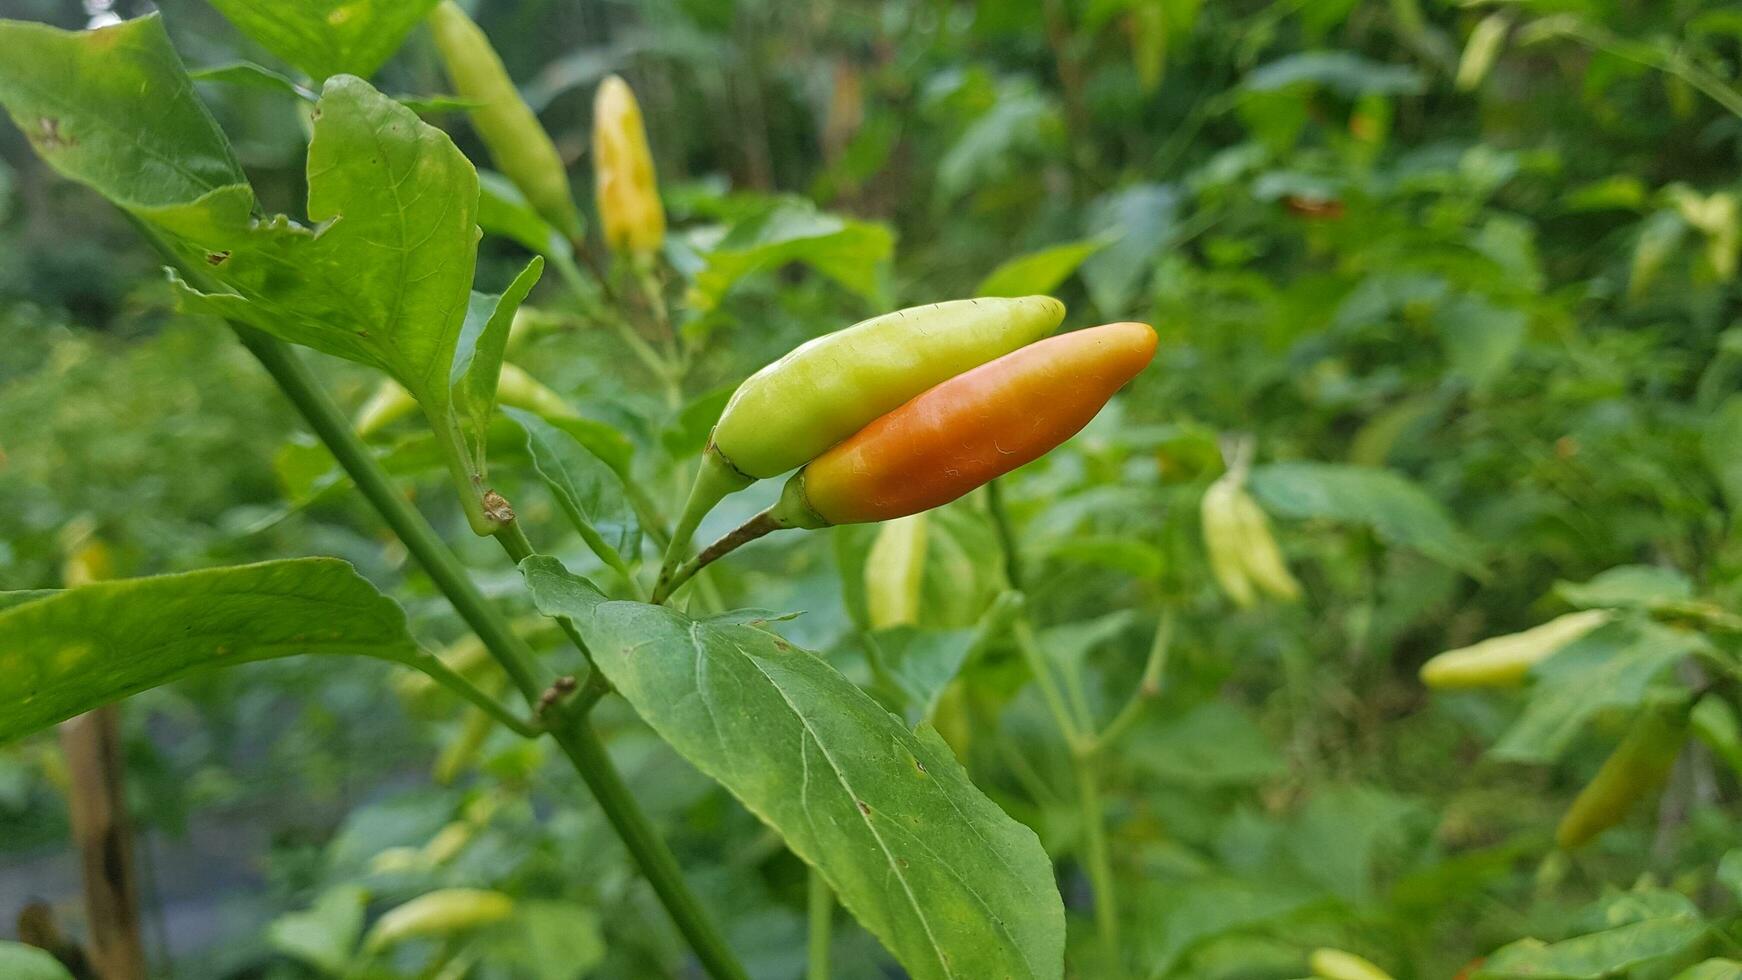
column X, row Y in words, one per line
column 1449, row 310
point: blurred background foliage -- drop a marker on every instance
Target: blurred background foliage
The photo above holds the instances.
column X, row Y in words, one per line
column 1461, row 274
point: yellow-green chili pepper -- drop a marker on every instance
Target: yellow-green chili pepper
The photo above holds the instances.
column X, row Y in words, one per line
column 1637, row 768
column 523, row 151
column 789, row 412
column 1505, row 661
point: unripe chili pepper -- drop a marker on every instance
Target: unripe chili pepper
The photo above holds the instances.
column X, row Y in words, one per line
column 625, row 186
column 954, row 437
column 1243, row 553
column 1637, row 768
column 784, row 415
column 1505, row 661
column 523, row 151
column 444, row 912
column 1336, row 964
column 895, row 573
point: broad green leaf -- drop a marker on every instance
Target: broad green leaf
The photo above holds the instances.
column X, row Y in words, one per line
column 251, row 75
column 1344, row 72
column 328, row 37
column 1139, row 220
column 21, row 962
column 1610, row 667
column 385, row 275
column 1600, row 954
column 113, row 108
column 949, row 883
column 589, row 492
column 22, row 596
column 852, row 253
column 1730, row 872
column 1188, row 913
column 478, row 356
column 1214, row 744
column 1038, row 272
column 503, row 211
column 549, row 940
column 99, row 643
column 1721, row 444
column 1397, row 510
column 1627, row 585
column 325, row 935
column 1022, row 124
column 1712, row 970
column 1481, row 340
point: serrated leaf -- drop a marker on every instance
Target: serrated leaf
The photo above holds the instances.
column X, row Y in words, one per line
column 21, row 962
column 478, row 354
column 324, row 935
column 113, row 108
column 98, row 643
column 1397, row 510
column 949, row 883
column 385, row 277
column 1038, row 272
column 852, row 253
column 589, row 492
column 328, row 37
column 1610, row 667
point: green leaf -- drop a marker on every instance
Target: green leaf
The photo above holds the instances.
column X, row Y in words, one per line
column 1038, row 272
column 1598, row 955
column 478, row 356
column 1213, row 744
column 1721, row 444
column 1730, row 872
column 328, row 37
column 1712, row 970
column 1627, row 586
column 1140, row 219
column 923, row 662
column 21, row 962
column 22, row 596
column 586, row 488
column 112, row 108
column 949, row 883
column 1397, row 510
column 1481, row 339
column 250, row 75
column 325, row 935
column 852, row 253
column 1344, row 72
column 503, row 211
column 1609, row 667
column 99, row 643
column 550, row 940
column 385, row 277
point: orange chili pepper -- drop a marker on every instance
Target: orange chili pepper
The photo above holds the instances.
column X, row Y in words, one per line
column 973, row 428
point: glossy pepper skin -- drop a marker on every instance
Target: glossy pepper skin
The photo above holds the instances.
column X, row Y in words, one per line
column 1637, row 768
column 970, row 429
column 784, row 415
column 626, row 189
column 523, row 151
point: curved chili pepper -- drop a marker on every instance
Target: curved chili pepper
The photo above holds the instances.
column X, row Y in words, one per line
column 1637, row 768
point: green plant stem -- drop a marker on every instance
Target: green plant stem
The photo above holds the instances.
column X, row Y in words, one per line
column 1006, row 535
column 576, row 737
column 1148, row 686
column 1096, row 861
column 444, row 675
column 822, row 912
column 1023, row 632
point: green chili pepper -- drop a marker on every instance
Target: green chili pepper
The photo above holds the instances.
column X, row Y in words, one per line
column 1505, row 661
column 523, row 151
column 824, row 391
column 1637, row 768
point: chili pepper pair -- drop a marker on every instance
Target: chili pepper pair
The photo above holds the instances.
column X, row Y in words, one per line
column 905, row 412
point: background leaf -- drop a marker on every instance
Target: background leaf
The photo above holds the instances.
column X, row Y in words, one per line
column 88, row 646
column 1397, row 510
column 328, row 37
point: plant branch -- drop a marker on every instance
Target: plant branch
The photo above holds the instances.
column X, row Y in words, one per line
column 822, row 909
column 1148, row 687
column 745, row 533
column 447, row 677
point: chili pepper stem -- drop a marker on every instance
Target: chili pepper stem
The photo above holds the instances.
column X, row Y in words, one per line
column 745, row 533
column 714, row 481
column 822, row 909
